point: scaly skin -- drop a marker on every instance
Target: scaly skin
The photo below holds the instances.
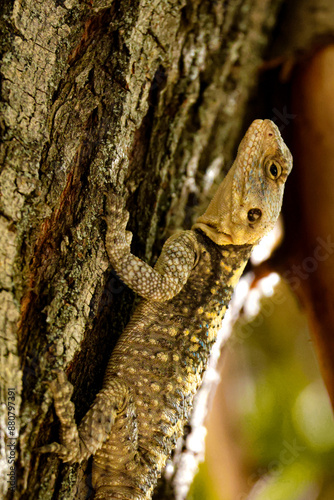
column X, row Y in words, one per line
column 158, row 364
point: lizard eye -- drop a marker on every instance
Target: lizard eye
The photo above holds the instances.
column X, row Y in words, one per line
column 273, row 170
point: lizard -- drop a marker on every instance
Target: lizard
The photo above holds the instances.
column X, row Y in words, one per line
column 158, row 363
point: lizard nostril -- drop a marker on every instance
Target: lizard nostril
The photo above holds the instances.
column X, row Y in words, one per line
column 254, row 214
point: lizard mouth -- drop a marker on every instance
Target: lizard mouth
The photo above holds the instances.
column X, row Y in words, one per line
column 215, row 228
column 222, row 233
column 214, row 233
column 225, row 234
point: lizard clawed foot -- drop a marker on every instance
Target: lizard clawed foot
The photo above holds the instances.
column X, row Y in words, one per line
column 57, row 448
column 118, row 240
column 70, row 448
column 60, row 387
column 117, row 215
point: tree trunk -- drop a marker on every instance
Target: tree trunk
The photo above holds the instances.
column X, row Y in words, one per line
column 146, row 98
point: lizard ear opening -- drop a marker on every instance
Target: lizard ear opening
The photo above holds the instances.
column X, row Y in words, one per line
column 254, row 214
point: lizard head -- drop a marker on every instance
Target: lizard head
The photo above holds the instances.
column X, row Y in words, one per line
column 248, row 201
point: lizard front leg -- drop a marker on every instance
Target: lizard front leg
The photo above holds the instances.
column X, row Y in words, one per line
column 172, row 269
column 78, row 443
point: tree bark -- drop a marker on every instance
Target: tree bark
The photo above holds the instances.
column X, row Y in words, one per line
column 146, row 98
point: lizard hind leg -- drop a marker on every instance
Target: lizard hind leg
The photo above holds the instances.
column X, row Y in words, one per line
column 78, row 443
column 71, row 448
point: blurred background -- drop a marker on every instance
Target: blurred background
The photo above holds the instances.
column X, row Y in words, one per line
column 270, row 431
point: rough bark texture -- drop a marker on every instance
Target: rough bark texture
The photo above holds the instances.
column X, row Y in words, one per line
column 144, row 97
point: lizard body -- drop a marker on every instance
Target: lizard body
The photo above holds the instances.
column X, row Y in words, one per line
column 158, row 363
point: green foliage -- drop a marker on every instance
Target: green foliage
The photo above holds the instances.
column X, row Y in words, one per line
column 203, row 487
